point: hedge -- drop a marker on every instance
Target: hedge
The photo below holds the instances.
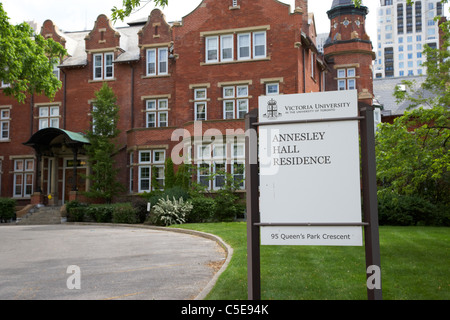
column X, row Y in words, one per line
column 7, row 209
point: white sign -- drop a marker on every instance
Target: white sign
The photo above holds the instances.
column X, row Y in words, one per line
column 310, row 172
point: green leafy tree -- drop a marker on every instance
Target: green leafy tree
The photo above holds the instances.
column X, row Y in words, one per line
column 169, row 175
column 131, row 5
column 103, row 147
column 27, row 60
column 413, row 157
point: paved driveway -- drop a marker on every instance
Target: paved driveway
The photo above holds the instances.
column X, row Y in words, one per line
column 110, row 262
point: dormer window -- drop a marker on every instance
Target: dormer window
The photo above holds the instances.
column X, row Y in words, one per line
column 157, row 61
column 103, row 66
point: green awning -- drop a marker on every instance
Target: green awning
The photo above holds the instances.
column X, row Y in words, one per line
column 44, row 137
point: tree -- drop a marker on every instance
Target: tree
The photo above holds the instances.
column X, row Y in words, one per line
column 102, row 148
column 27, row 60
column 130, row 5
column 413, row 157
column 169, row 174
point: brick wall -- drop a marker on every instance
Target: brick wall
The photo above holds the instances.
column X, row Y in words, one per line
column 289, row 54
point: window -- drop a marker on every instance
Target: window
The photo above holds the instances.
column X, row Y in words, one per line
column 238, row 164
column 23, row 178
column 151, row 169
column 212, row 49
column 259, row 45
column 235, row 101
column 103, row 66
column 272, row 88
column 4, row 123
column 151, row 62
column 346, row 79
column 200, row 104
column 250, row 45
column 227, row 48
column 244, row 46
column 56, row 71
column 203, row 173
column 48, row 117
column 157, row 61
column 162, row 60
column 157, row 113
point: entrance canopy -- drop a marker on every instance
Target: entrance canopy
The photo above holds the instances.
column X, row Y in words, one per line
column 54, row 142
column 53, row 137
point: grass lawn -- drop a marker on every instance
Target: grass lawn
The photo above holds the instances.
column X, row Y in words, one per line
column 415, row 265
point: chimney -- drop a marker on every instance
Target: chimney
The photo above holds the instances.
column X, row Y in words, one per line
column 302, row 4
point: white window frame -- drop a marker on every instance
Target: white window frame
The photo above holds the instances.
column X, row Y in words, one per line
column 216, row 172
column 163, row 61
column 240, row 45
column 142, row 179
column 270, row 91
column 231, row 96
column 24, row 170
column 149, row 152
column 48, row 117
column 155, row 108
column 239, row 110
column 222, row 47
column 98, row 65
column 157, row 158
column 109, row 65
column 234, row 174
column 264, row 55
column 197, row 113
column 200, row 176
column 208, row 48
column 160, row 178
column 5, row 123
column 346, row 79
column 103, row 65
column 200, row 98
column 151, row 61
column 226, row 111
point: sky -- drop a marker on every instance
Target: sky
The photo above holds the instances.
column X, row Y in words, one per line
column 78, row 15
column 71, row 15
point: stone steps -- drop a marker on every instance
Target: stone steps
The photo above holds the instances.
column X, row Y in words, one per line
column 42, row 216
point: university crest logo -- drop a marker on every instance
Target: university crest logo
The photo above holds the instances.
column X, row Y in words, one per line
column 272, row 110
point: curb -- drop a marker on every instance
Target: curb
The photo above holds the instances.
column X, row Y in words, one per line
column 228, row 250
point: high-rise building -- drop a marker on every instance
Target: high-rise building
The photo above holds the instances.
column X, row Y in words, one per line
column 403, row 30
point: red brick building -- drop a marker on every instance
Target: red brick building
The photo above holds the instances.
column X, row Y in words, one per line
column 178, row 85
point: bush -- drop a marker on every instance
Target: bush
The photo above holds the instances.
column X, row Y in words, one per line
column 124, row 213
column 7, row 209
column 203, row 209
column 228, row 206
column 101, row 213
column 401, row 210
column 76, row 211
column 168, row 212
column 140, row 205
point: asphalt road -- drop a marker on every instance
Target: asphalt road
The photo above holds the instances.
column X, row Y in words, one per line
column 109, row 262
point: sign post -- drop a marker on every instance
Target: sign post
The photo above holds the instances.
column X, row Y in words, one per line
column 308, row 191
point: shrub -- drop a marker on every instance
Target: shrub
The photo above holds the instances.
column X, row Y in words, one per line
column 140, row 205
column 228, row 206
column 401, row 210
column 7, row 209
column 76, row 211
column 203, row 209
column 168, row 212
column 124, row 213
column 100, row 212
